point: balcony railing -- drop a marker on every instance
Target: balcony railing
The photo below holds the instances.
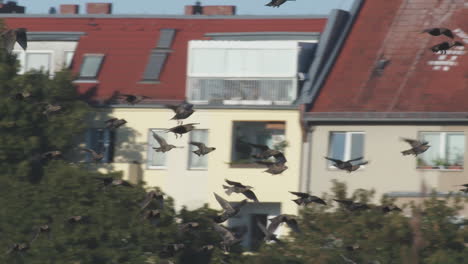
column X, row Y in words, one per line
column 243, row 91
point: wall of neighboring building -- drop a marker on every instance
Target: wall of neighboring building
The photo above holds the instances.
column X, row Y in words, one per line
column 388, row 170
column 193, row 187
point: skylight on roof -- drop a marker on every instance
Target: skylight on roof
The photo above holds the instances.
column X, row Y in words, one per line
column 91, row 66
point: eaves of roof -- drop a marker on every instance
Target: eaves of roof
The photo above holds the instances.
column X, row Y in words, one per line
column 162, row 16
column 385, row 117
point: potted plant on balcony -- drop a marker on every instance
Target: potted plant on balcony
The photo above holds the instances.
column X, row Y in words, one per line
column 458, row 164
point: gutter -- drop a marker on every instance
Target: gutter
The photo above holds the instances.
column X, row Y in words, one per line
column 386, row 117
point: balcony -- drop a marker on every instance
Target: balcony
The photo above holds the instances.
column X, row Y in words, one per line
column 242, row 91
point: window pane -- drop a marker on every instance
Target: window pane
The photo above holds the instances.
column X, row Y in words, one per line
column 38, row 61
column 337, row 146
column 166, row 36
column 156, row 159
column 455, row 149
column 68, row 58
column 432, row 157
column 91, row 66
column 198, row 135
column 154, row 67
column 271, row 134
column 357, row 145
column 207, row 61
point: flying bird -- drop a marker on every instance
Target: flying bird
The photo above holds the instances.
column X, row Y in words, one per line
column 182, row 129
column 439, row 31
column 151, row 215
column 54, row 154
column 153, row 195
column 18, row 248
column 238, row 187
column 11, row 36
column 274, row 168
column 202, row 148
column 276, row 3
column 163, row 146
column 185, row 227
column 182, row 111
column 21, row 96
column 109, row 181
column 444, row 46
column 229, row 210
column 228, row 237
column 132, row 99
column 269, row 235
column 50, row 108
column 94, row 155
column 75, row 219
column 464, row 190
column 115, row 123
column 464, row 185
column 265, row 151
column 305, row 199
column 352, row 206
column 290, row 220
column 417, row 147
column 390, row 208
column 43, row 229
column 347, row 165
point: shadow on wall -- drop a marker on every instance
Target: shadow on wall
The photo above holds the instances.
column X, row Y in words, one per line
column 119, row 146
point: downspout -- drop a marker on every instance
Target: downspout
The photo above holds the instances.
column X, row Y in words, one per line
column 310, row 131
column 306, row 151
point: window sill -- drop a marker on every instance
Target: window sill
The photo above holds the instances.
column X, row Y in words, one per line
column 156, row 167
column 198, row 169
column 149, row 82
column 246, row 166
column 85, row 81
column 441, row 168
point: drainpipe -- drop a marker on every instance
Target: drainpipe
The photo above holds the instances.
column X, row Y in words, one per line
column 308, row 162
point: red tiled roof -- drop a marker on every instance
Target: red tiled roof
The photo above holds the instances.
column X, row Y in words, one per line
column 127, row 43
column 415, row 79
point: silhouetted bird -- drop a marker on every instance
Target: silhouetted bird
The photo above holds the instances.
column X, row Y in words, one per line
column 276, row 3
column 306, row 198
column 276, row 167
column 163, row 146
column 182, row 129
column 352, row 206
column 444, row 46
column 229, row 210
column 347, row 165
column 115, row 123
column 11, row 36
column 418, row 147
column 238, row 187
column 94, row 155
column 269, row 235
column 51, row 155
column 464, row 190
column 228, row 237
column 76, row 219
column 439, row 31
column 185, row 227
column 109, row 181
column 43, row 229
column 153, row 195
column 182, row 111
column 151, row 214
column 290, row 220
column 50, row 108
column 265, row 151
column 18, row 248
column 390, row 208
column 21, row 96
column 202, row 148
column 132, row 99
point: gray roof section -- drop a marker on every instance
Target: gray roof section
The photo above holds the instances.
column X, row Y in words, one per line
column 251, row 36
column 395, row 117
column 419, row 194
column 163, row 16
column 54, row 36
column 333, row 38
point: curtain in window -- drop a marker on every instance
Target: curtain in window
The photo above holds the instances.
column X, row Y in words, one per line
column 433, row 155
column 196, row 162
column 337, row 145
column 455, row 148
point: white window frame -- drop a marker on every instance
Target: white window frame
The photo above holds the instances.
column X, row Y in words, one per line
column 443, row 141
column 21, row 54
column 150, row 148
column 347, row 148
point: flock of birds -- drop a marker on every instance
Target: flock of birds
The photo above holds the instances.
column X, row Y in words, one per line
column 263, row 156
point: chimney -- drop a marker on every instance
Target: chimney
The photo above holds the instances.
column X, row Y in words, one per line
column 215, row 10
column 69, row 9
column 99, row 8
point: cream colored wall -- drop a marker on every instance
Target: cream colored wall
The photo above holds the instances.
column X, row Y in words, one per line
column 195, row 187
column 388, row 170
